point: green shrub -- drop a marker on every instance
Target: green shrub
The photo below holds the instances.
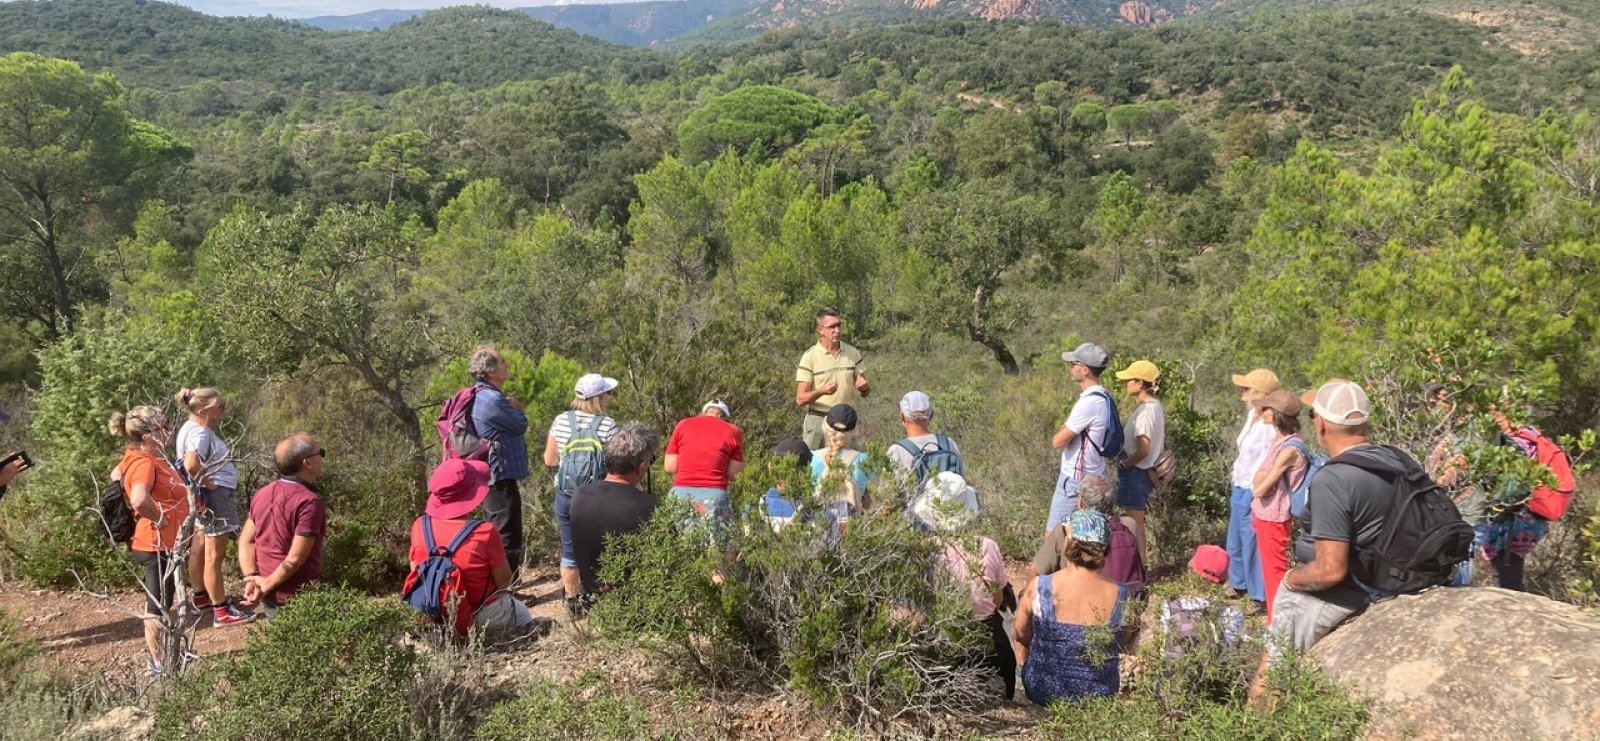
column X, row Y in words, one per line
column 587, row 709
column 330, row 665
column 51, row 528
column 862, row 624
column 1309, row 706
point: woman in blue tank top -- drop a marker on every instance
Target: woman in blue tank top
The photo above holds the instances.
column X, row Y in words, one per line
column 1069, row 634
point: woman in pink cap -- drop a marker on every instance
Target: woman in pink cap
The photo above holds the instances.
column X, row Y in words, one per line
column 455, row 489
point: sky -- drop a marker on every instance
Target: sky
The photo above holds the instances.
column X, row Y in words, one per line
column 308, row 8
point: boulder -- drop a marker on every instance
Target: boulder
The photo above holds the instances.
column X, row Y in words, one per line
column 1472, row 663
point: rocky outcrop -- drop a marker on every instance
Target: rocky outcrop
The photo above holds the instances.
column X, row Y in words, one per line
column 1000, row 10
column 1136, row 13
column 1475, row 663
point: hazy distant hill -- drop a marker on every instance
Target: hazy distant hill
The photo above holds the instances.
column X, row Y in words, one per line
column 641, row 24
column 371, row 20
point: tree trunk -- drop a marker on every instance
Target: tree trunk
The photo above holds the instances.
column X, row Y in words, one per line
column 58, row 271
column 978, row 331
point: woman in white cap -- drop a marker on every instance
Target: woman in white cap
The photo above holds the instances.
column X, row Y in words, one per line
column 1254, row 442
column 574, row 448
column 948, row 506
column 704, row 453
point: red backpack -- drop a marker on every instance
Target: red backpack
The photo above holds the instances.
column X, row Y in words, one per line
column 1549, row 502
column 457, row 434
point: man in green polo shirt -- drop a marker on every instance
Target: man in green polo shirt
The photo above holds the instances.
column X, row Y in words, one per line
column 829, row 374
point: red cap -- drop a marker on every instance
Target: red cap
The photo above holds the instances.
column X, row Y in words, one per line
column 456, row 488
column 1211, row 563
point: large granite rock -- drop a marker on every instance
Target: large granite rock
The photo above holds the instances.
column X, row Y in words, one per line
column 1471, row 664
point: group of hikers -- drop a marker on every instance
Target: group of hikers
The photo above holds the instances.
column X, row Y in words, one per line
column 1371, row 521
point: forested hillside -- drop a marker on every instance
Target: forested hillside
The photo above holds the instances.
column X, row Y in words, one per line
column 323, row 226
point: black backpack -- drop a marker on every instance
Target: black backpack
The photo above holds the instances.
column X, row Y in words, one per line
column 1422, row 539
column 930, row 461
column 115, row 513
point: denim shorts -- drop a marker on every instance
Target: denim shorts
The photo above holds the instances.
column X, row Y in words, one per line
column 221, row 515
column 1133, row 488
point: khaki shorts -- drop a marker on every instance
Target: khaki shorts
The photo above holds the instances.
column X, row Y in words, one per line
column 814, row 430
column 1300, row 619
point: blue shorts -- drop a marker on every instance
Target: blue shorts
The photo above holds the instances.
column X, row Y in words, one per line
column 1133, row 488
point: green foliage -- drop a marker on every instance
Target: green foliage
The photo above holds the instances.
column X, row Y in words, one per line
column 587, row 708
column 329, row 665
column 759, row 119
column 52, row 525
column 64, row 136
column 854, row 622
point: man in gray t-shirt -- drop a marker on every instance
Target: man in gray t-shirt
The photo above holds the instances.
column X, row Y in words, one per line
column 1345, row 509
column 937, row 452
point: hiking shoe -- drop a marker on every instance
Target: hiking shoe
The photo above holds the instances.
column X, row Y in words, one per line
column 230, row 615
column 152, row 668
column 201, row 601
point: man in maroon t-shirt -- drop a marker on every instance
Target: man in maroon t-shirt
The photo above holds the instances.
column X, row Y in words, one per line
column 703, row 455
column 280, row 547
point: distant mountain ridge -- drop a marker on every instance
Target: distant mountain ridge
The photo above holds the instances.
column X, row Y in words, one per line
column 661, row 21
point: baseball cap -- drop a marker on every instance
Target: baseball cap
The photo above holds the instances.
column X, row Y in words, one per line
column 593, row 385
column 718, row 405
column 916, row 405
column 1342, row 402
column 1261, row 380
column 842, row 418
column 457, row 487
column 1280, row 401
column 1211, row 563
column 1141, row 370
column 796, row 447
column 1089, row 354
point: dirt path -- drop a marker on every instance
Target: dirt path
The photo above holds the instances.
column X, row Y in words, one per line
column 82, row 634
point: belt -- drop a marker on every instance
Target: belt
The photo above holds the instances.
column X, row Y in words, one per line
column 816, row 413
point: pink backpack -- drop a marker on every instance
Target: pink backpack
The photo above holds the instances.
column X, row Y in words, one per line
column 457, row 435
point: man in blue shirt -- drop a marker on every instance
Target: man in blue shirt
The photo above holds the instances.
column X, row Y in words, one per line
column 499, row 419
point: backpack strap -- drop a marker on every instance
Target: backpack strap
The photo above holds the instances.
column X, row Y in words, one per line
column 461, row 537
column 910, row 447
column 427, row 535
column 1111, row 418
column 572, row 428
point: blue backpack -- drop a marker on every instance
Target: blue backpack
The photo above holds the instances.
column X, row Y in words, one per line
column 926, row 461
column 434, row 585
column 1314, row 463
column 1111, row 446
column 583, row 457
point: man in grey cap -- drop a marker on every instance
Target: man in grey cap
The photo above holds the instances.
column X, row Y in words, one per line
column 1083, row 436
column 922, row 453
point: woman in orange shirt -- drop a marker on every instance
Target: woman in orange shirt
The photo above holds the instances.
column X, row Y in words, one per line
column 160, row 503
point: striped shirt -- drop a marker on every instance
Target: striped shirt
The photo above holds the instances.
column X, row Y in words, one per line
column 561, row 429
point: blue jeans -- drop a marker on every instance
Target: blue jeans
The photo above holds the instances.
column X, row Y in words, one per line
column 569, row 560
column 1133, row 489
column 1244, row 560
column 710, row 504
column 1062, row 503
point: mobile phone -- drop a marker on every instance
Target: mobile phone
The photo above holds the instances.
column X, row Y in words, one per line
column 22, row 455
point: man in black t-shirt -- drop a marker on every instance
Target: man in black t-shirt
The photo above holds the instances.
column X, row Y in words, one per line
column 615, row 505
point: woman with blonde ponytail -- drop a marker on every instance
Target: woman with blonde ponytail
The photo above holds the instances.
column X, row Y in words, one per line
column 205, row 457
column 846, row 490
column 160, row 504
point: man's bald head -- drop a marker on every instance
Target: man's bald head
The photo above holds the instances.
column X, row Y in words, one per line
column 294, row 457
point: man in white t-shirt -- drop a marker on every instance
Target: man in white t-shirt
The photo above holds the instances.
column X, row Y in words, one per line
column 1144, row 440
column 1084, row 432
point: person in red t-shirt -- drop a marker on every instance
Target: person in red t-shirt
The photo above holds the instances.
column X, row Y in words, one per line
column 280, row 545
column 703, row 455
column 455, row 489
